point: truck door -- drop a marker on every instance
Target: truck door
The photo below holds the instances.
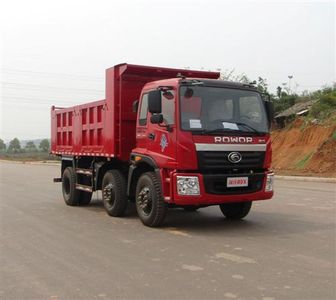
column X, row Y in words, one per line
column 141, row 137
column 156, row 138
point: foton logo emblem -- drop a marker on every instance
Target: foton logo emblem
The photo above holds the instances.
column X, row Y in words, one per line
column 233, row 139
column 235, row 157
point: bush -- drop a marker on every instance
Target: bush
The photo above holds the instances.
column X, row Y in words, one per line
column 329, row 99
column 325, row 106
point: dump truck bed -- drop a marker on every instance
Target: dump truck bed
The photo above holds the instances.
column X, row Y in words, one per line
column 107, row 127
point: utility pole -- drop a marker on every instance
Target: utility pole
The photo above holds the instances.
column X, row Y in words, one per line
column 289, row 83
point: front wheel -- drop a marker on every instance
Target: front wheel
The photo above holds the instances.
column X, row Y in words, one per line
column 149, row 200
column 236, row 211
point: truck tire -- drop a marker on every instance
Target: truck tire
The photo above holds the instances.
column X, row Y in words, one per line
column 149, row 200
column 114, row 193
column 70, row 194
column 236, row 211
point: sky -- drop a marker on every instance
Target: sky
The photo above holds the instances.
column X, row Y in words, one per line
column 56, row 52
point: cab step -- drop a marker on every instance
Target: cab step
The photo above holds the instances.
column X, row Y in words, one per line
column 87, row 172
column 82, row 187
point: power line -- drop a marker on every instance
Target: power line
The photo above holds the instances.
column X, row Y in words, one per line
column 39, row 73
column 38, row 87
column 29, row 104
column 35, row 106
column 51, row 100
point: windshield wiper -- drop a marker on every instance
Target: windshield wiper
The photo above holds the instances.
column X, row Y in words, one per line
column 221, row 130
column 247, row 126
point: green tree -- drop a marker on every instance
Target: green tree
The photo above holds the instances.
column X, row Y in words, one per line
column 44, row 145
column 2, row 145
column 30, row 147
column 14, row 146
column 262, row 85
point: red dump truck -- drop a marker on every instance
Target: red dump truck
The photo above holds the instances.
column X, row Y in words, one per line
column 166, row 138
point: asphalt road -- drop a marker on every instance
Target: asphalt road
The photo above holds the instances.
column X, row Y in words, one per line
column 285, row 249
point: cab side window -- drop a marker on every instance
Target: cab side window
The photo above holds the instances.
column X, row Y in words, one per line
column 143, row 110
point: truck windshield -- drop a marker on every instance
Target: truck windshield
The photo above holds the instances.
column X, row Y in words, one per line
column 216, row 109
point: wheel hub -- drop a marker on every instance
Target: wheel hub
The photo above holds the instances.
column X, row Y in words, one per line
column 144, row 200
column 108, row 194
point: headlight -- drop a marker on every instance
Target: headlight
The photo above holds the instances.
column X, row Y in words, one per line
column 269, row 182
column 188, row 185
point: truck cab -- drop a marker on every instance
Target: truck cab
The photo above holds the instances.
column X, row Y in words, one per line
column 209, row 141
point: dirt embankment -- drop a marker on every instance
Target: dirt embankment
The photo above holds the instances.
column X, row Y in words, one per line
column 305, row 150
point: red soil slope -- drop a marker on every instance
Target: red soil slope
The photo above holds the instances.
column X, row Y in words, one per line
column 300, row 150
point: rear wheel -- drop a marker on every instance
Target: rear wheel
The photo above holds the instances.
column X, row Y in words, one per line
column 149, row 200
column 114, row 193
column 71, row 195
column 236, row 211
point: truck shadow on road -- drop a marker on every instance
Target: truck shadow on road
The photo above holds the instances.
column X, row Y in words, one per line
column 209, row 221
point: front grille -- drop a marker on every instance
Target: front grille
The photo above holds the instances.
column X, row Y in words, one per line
column 217, row 184
column 218, row 160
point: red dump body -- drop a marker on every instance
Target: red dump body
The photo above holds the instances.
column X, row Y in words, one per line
column 107, row 127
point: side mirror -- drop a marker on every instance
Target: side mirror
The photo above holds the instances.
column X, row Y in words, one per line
column 270, row 111
column 135, row 106
column 154, row 102
column 156, row 119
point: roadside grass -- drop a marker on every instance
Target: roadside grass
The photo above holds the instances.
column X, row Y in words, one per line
column 303, row 162
column 26, row 156
column 333, row 137
column 328, row 120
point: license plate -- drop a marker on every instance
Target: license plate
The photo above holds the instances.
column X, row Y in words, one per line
column 236, row 181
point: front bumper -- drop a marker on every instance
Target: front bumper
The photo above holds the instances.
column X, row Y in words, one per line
column 212, row 192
